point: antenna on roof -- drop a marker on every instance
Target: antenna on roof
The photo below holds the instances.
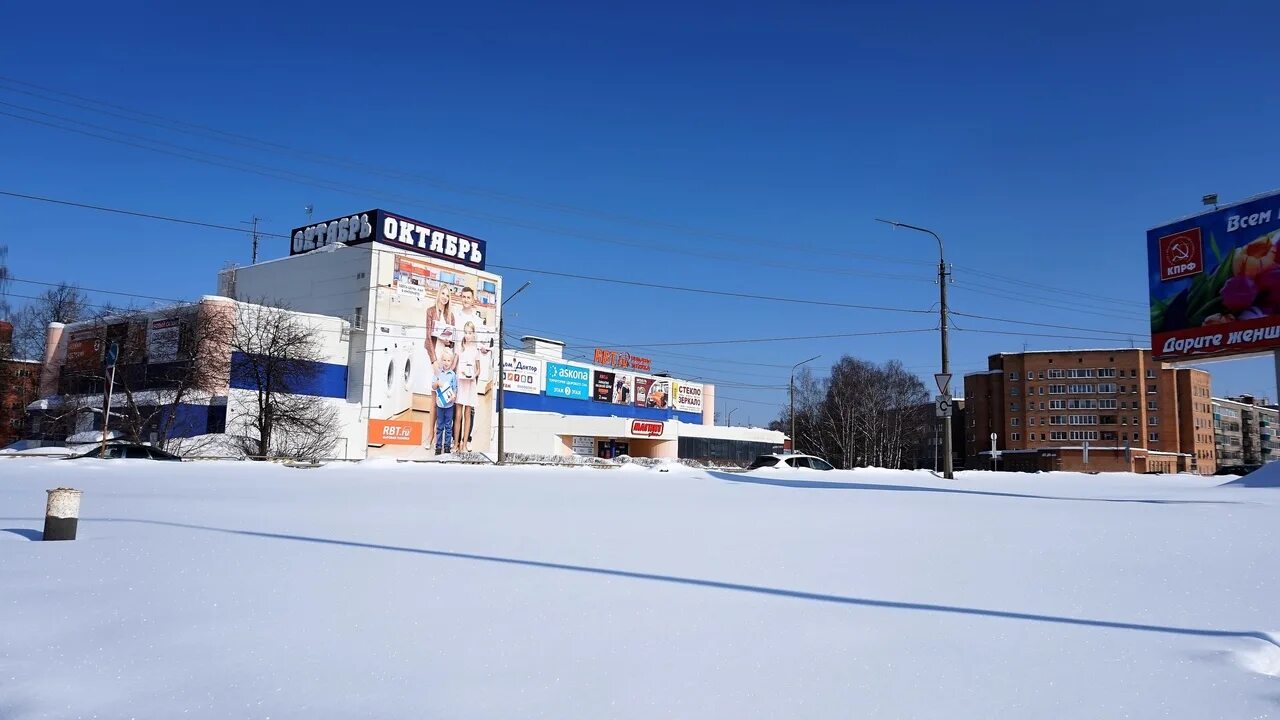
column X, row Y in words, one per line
column 309, row 209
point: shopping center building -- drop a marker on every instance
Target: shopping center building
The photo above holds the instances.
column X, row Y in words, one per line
column 419, row 300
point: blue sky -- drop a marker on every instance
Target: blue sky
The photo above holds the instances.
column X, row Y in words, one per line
column 744, row 148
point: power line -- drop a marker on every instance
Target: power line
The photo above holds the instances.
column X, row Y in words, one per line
column 1038, row 324
column 591, row 278
column 1042, row 287
column 312, row 181
column 241, row 140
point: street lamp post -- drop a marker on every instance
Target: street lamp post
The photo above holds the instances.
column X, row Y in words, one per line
column 502, row 376
column 793, row 398
column 947, row 469
column 729, row 420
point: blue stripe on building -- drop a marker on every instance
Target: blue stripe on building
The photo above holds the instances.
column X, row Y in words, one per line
column 567, row 406
column 326, row 379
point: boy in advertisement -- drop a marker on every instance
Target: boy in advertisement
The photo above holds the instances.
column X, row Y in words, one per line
column 445, row 386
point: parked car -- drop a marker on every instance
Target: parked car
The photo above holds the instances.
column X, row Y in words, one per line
column 128, row 451
column 790, row 460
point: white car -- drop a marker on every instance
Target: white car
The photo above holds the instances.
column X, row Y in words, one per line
column 790, row 460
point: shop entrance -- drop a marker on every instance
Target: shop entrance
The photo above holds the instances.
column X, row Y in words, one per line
column 609, row 449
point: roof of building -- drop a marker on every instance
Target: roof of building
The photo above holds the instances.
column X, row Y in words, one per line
column 1068, row 352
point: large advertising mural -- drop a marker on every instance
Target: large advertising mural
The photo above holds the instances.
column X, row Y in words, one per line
column 1214, row 282
column 432, row 361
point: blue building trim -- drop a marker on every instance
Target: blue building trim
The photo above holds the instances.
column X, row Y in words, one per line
column 328, row 379
column 591, row 408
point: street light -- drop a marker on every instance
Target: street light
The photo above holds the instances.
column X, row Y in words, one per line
column 502, row 376
column 729, row 420
column 793, row 398
column 947, row 469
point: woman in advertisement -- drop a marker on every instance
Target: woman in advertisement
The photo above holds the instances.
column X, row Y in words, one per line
column 439, row 323
column 468, row 379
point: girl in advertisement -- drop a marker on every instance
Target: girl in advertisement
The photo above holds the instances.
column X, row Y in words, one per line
column 468, row 378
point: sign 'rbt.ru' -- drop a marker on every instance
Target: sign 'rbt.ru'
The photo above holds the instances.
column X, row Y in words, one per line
column 391, row 229
column 1214, row 281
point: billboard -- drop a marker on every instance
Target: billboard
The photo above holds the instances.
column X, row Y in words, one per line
column 687, row 397
column 602, row 386
column 568, row 381
column 1214, row 282
column 522, row 374
column 398, row 231
column 163, row 336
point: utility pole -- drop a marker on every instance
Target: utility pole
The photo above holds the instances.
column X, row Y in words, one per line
column 793, row 399
column 947, row 460
column 502, row 377
column 253, row 225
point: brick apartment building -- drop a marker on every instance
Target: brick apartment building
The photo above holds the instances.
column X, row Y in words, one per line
column 1245, row 432
column 19, row 385
column 1133, row 413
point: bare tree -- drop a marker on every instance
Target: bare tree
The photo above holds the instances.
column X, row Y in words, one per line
column 863, row 414
column 62, row 303
column 168, row 361
column 276, row 355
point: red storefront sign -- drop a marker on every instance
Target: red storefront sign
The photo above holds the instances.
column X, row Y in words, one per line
column 647, row 428
column 615, row 359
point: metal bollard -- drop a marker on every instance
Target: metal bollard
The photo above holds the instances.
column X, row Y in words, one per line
column 62, row 514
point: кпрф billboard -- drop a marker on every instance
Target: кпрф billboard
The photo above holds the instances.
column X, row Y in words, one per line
column 1215, row 282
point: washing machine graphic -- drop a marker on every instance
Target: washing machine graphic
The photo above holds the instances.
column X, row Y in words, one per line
column 392, row 371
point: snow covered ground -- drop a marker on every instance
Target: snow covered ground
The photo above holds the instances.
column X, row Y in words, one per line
column 377, row 590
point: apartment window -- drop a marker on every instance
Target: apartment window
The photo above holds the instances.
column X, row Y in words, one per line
column 357, row 318
column 1153, row 437
column 1013, row 376
column 1082, row 420
column 1106, row 387
column 1106, row 372
column 1057, row 389
column 1124, row 420
column 1080, row 388
column 1133, row 372
column 1013, row 391
column 1106, row 404
column 1151, row 388
column 1013, row 406
column 1107, row 420
column 1041, row 374
column 1084, row 434
column 1108, row 436
column 1137, row 436
column 1135, row 420
column 1042, row 436
column 1057, row 404
column 1082, row 404
column 1057, row 373
column 1082, row 373
column 1041, row 406
column 1058, row 435
column 1151, row 374
column 1015, row 436
column 1041, row 390
column 1013, row 422
column 1151, row 404
column 1153, row 420
column 1057, row 419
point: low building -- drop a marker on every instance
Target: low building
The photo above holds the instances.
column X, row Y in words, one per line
column 555, row 406
column 1245, row 431
column 19, row 385
column 170, row 375
column 1090, row 410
